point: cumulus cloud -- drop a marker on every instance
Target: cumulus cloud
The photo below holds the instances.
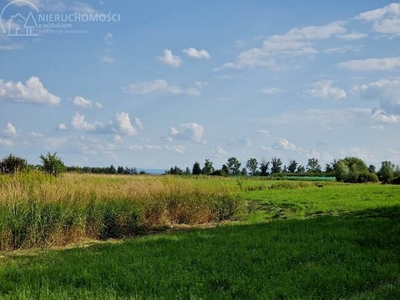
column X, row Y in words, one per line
column 188, row 131
column 263, row 132
column 177, row 148
column 84, row 103
column 79, row 123
column 296, row 42
column 10, row 130
column 169, row 59
column 124, row 124
column 62, row 127
column 324, row 89
column 194, row 53
column 161, row 86
column 284, row 144
column 32, row 91
column 385, row 90
column 221, row 152
column 7, row 143
column 385, row 20
column 371, row 64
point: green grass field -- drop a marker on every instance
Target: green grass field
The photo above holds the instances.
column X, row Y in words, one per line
column 288, row 240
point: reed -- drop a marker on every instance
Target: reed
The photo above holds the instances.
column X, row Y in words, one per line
column 37, row 210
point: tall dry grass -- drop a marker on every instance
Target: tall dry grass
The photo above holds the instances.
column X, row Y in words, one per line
column 41, row 211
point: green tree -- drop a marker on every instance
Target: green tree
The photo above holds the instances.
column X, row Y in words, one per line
column 244, row 172
column 252, row 165
column 353, row 169
column 276, row 165
column 225, row 169
column 196, row 169
column 208, row 167
column 386, row 172
column 52, row 164
column 313, row 166
column 292, row 166
column 264, row 167
column 234, row 166
column 12, row 164
column 301, row 169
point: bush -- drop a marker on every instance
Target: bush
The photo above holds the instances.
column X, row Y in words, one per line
column 12, row 164
column 219, row 173
column 396, row 180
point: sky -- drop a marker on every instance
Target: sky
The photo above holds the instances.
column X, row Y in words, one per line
column 159, row 83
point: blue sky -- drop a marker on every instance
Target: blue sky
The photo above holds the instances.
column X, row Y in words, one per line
column 164, row 83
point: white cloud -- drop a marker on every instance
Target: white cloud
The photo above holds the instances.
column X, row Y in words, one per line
column 385, row 20
column 188, row 131
column 108, row 38
column 138, row 123
column 6, row 143
column 32, row 91
column 271, row 91
column 161, row 86
column 344, row 49
column 194, row 53
column 82, row 102
column 263, row 132
column 324, row 89
column 170, row 59
column 352, row 36
column 178, row 149
column 78, row 122
column 371, row 64
column 221, row 152
column 124, row 124
column 107, row 59
column 10, row 130
column 62, row 126
column 385, row 90
column 36, row 134
column 296, row 42
column 284, row 144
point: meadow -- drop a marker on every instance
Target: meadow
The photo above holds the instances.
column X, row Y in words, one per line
column 164, row 237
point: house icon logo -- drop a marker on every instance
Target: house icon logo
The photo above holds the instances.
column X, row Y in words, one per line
column 19, row 24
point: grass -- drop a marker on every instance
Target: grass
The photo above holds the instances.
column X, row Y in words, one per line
column 294, row 240
column 41, row 211
column 354, row 256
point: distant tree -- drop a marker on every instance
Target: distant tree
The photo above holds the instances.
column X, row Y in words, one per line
column 111, row 170
column 225, row 169
column 285, row 169
column 372, row 169
column 187, row 171
column 386, row 172
column 313, row 166
column 12, row 164
column 134, row 171
column 120, row 170
column 208, row 167
column 353, row 169
column 143, row 172
column 252, row 165
column 234, row 166
column 243, row 172
column 292, row 166
column 276, row 165
column 301, row 169
column 52, row 164
column 196, row 169
column 264, row 167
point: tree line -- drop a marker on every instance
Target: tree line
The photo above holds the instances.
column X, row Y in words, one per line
column 349, row 169
column 53, row 165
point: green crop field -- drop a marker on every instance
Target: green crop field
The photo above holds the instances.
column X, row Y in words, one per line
column 166, row 237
